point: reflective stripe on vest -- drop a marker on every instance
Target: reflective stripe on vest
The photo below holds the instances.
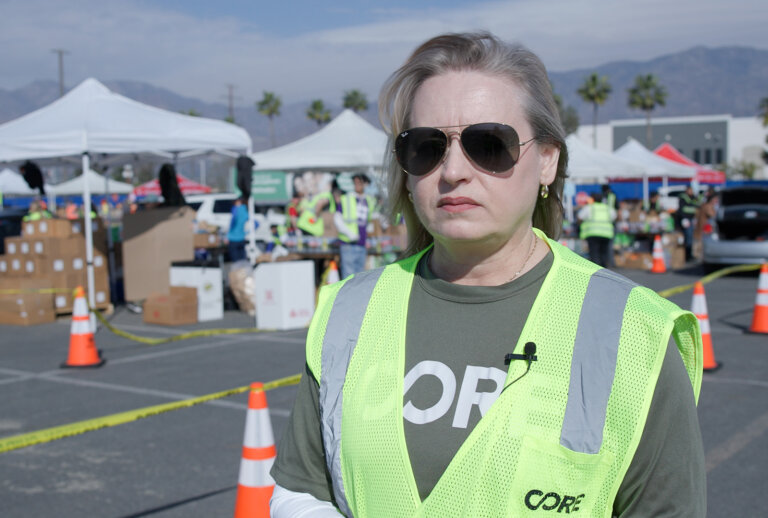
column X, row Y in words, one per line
column 344, row 324
column 599, row 223
column 593, row 364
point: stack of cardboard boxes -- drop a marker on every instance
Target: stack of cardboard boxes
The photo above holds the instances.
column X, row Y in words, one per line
column 40, row 270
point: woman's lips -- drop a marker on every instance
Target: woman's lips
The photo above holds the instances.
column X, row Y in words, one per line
column 458, row 204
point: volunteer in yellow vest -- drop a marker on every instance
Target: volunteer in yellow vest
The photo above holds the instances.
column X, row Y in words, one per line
column 597, row 228
column 353, row 214
column 492, row 372
column 36, row 212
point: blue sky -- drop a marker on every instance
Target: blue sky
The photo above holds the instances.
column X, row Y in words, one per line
column 313, row 49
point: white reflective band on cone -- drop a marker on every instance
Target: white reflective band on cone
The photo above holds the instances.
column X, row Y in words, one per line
column 699, row 305
column 255, row 473
column 762, row 299
column 80, row 327
column 704, row 325
column 258, row 429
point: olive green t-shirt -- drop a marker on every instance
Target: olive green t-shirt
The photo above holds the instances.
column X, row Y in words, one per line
column 457, row 337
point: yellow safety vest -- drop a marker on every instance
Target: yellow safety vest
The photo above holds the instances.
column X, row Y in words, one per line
column 560, row 439
column 599, row 223
column 349, row 214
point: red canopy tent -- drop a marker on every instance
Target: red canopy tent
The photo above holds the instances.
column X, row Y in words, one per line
column 703, row 174
column 187, row 186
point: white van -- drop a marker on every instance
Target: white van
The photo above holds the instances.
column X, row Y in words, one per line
column 216, row 209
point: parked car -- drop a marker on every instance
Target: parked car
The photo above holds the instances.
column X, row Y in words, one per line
column 740, row 230
column 216, row 209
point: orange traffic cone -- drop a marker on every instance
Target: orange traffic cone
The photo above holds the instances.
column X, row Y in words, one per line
column 255, row 485
column 699, row 308
column 658, row 257
column 82, row 347
column 333, row 273
column 760, row 316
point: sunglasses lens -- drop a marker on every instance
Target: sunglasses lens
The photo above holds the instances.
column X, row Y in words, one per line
column 420, row 150
column 492, row 146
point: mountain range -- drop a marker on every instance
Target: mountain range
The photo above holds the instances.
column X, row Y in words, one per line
column 699, row 81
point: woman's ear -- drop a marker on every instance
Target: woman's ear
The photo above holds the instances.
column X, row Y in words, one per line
column 549, row 155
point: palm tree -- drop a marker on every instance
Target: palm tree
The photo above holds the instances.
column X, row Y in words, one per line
column 270, row 106
column 595, row 90
column 318, row 113
column 764, row 110
column 646, row 95
column 355, row 100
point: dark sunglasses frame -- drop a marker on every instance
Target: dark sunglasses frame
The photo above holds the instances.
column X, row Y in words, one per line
column 473, row 140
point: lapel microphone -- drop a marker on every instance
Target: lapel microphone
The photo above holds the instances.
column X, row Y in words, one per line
column 529, row 354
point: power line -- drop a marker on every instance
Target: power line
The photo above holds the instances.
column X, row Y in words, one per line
column 61, row 53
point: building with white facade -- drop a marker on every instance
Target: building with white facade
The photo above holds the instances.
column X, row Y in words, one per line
column 710, row 140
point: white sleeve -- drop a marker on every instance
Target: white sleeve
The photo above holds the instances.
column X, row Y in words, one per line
column 340, row 224
column 289, row 504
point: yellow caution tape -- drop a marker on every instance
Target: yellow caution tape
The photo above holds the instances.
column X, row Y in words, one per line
column 709, row 278
column 38, row 290
column 51, row 434
column 184, row 336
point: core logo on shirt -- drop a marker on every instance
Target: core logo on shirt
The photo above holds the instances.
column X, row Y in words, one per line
column 535, row 499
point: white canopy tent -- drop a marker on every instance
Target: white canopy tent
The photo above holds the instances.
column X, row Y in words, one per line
column 91, row 119
column 12, row 182
column 654, row 164
column 347, row 143
column 97, row 184
column 586, row 164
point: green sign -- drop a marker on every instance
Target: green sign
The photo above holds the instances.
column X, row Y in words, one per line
column 265, row 185
column 270, row 186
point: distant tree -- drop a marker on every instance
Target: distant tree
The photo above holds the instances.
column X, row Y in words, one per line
column 192, row 113
column 646, row 95
column 230, row 119
column 355, row 100
column 740, row 170
column 569, row 117
column 318, row 112
column 270, row 106
column 595, row 90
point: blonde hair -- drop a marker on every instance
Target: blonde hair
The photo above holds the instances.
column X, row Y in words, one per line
column 480, row 52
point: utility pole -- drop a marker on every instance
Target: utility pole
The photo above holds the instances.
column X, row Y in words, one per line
column 61, row 53
column 231, row 101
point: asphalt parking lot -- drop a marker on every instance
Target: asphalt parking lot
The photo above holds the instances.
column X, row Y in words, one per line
column 185, row 462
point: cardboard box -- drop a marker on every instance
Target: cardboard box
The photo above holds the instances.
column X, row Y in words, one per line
column 26, row 308
column 209, row 285
column 285, row 294
column 70, row 246
column 65, row 283
column 179, row 307
column 152, row 240
column 16, row 246
column 47, row 228
column 206, row 240
column 635, row 260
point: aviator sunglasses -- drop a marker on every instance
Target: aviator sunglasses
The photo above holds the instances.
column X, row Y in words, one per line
column 491, row 146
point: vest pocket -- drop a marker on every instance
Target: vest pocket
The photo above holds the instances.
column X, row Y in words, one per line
column 553, row 478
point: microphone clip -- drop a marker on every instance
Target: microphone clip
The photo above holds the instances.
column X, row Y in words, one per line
column 529, row 354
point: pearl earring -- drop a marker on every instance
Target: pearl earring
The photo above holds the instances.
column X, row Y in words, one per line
column 544, row 192
column 410, row 196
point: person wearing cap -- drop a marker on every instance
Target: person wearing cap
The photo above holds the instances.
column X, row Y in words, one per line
column 351, row 220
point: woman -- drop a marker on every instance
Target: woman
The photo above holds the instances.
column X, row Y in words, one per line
column 492, row 372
